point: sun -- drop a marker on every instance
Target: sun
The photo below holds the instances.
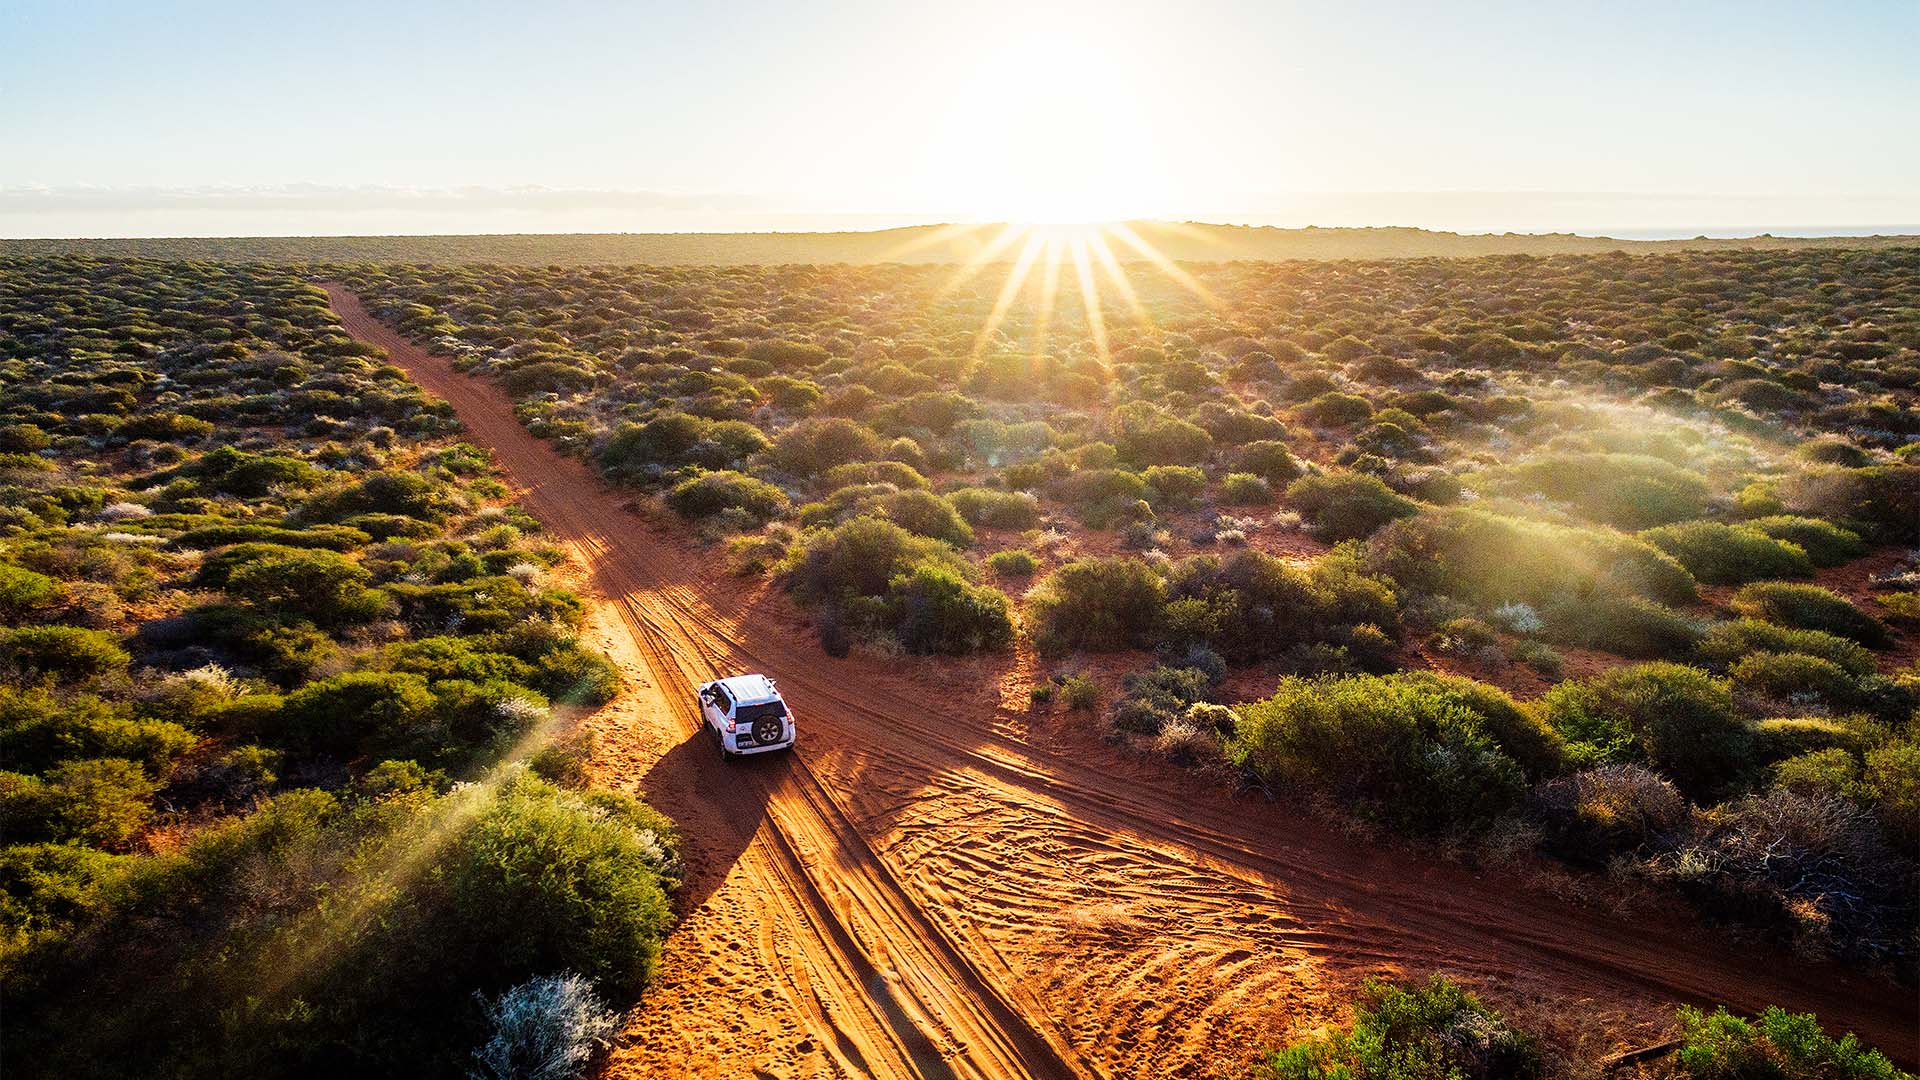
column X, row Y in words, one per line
column 1048, row 130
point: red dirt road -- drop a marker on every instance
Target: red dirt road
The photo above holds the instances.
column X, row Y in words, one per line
column 939, row 884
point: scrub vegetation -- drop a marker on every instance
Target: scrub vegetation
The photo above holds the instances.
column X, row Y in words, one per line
column 279, row 669
column 1606, row 553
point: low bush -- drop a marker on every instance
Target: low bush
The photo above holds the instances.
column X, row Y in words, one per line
column 1631, row 491
column 1098, row 604
column 1347, row 506
column 1413, row 752
column 860, row 558
column 1825, row 543
column 1432, row 1032
column 1268, row 459
column 1776, row 1045
column 1595, row 814
column 1336, row 409
column 1679, row 719
column 60, row 653
column 324, row 586
column 23, row 592
column 992, row 509
column 712, row 492
column 1729, row 554
column 1795, row 679
column 1810, row 607
column 1014, row 563
column 1491, row 559
column 1724, row 643
column 1174, row 487
column 1883, row 499
column 544, row 1029
column 935, row 610
column 1245, row 489
column 812, row 447
column 1623, row 625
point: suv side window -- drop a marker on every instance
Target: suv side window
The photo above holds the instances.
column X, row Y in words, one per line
column 721, row 699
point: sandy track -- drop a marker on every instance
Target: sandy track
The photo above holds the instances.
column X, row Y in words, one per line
column 938, row 885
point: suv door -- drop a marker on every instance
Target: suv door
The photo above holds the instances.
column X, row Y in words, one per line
column 715, row 703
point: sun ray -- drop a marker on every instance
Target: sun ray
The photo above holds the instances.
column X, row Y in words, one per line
column 1090, row 300
column 979, row 260
column 1163, row 264
column 929, row 238
column 1049, row 293
column 1016, row 277
column 1118, row 275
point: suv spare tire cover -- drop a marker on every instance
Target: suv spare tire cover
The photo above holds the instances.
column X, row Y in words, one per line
column 766, row 729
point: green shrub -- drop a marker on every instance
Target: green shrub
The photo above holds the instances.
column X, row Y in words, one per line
column 39, row 730
column 1174, row 487
column 1729, row 554
column 1413, row 752
column 1678, row 718
column 1882, row 498
column 1776, row 1045
column 1623, row 625
column 575, row 676
column 1347, row 506
column 387, row 491
column 991, row 509
column 1100, row 497
column 102, row 802
column 1146, row 434
column 1250, row 605
column 1013, row 563
column 812, row 447
column 358, row 711
column 935, row 610
column 1336, row 409
column 323, row 586
column 550, row 880
column 1245, row 489
column 1097, row 604
column 1810, row 607
column 1268, row 459
column 1490, row 559
column 1792, row 677
column 1435, row 1032
column 23, row 592
column 861, row 557
column 61, row 653
column 1726, row 642
column 709, row 493
column 898, row 473
column 1825, row 543
column 1080, row 692
column 1632, row 491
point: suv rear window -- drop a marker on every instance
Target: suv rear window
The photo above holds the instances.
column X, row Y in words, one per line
column 750, row 713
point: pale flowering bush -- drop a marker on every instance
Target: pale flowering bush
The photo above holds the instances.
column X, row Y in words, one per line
column 544, row 1029
column 1519, row 618
column 125, row 511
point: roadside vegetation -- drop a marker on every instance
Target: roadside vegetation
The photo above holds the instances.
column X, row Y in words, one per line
column 1438, row 1031
column 280, row 672
column 1604, row 557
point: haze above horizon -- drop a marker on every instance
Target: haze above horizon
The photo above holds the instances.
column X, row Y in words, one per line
column 228, row 119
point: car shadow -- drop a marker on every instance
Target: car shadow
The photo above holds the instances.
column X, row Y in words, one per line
column 720, row 805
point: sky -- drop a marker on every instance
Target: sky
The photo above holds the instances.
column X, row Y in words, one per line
column 410, row 116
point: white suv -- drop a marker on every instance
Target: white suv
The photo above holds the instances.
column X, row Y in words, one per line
column 746, row 715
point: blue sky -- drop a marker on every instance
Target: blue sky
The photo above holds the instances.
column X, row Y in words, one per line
column 129, row 118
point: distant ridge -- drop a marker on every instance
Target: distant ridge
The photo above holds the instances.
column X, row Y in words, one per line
column 912, row 244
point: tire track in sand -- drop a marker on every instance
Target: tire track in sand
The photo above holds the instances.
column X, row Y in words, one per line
column 1080, row 917
column 875, row 980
